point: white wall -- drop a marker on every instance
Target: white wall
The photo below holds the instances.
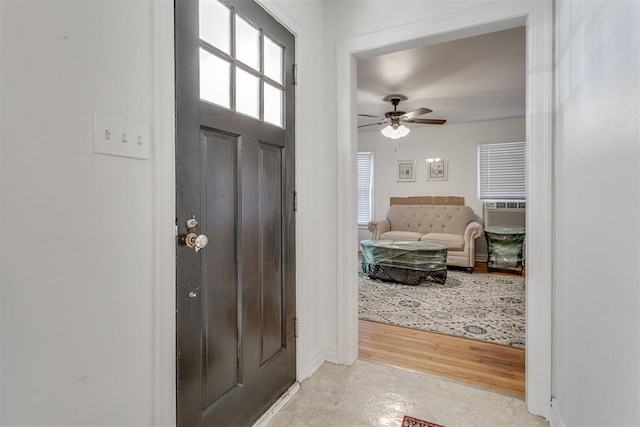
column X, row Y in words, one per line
column 77, row 228
column 316, row 184
column 1, row 168
column 347, row 20
column 597, row 252
column 376, row 29
column 76, row 273
column 456, row 142
column 80, row 294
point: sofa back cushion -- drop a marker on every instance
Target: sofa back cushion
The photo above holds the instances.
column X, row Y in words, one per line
column 430, row 218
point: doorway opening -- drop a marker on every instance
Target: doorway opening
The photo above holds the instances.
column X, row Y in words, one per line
column 539, row 164
column 454, row 95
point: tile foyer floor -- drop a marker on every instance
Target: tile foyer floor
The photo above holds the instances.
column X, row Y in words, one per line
column 372, row 394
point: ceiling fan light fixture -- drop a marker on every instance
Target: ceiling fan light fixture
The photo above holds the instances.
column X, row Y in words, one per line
column 404, row 131
column 395, row 132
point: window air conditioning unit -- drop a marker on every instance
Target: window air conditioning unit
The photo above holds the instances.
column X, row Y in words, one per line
column 504, row 214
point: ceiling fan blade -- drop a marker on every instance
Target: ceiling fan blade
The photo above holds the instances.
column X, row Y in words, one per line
column 427, row 121
column 369, row 115
column 371, row 124
column 415, row 113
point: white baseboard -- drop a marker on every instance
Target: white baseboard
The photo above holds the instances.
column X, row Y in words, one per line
column 286, row 397
column 481, row 258
column 321, row 355
column 330, row 354
column 555, row 420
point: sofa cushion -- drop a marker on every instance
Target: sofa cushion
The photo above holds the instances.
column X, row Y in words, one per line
column 453, row 242
column 430, row 218
column 401, row 235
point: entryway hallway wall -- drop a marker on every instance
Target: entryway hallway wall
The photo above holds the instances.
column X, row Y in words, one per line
column 86, row 240
column 596, row 327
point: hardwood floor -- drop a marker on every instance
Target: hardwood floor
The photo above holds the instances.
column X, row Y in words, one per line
column 481, row 267
column 495, row 367
column 486, row 365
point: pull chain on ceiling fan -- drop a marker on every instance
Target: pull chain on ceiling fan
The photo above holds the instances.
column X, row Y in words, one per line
column 394, row 119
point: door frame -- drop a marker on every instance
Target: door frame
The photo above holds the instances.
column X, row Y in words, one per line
column 537, row 16
column 164, row 238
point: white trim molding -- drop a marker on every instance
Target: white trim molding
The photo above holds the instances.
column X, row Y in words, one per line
column 324, row 353
column 163, row 155
column 277, row 407
column 539, row 131
column 347, row 230
column 164, row 363
column 555, row 420
column 308, row 358
column 537, row 16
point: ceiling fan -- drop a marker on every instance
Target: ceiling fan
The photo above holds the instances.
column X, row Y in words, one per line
column 395, row 118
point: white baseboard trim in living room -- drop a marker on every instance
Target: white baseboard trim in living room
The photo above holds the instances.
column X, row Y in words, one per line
column 555, row 420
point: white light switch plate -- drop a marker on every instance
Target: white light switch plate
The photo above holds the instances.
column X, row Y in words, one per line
column 118, row 136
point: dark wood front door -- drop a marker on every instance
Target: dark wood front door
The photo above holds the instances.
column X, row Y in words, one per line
column 235, row 298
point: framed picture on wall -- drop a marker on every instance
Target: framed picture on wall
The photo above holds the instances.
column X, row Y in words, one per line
column 437, row 169
column 406, row 171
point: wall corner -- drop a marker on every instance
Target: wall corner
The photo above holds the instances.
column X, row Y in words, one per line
column 555, row 420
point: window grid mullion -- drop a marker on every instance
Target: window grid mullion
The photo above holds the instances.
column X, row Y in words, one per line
column 236, row 64
column 232, row 84
column 261, row 66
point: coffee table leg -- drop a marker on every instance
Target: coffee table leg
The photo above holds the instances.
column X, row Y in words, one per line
column 439, row 277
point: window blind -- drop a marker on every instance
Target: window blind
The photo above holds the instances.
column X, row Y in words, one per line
column 365, row 186
column 502, row 170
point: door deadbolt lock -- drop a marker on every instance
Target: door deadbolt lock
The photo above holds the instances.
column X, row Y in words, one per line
column 197, row 242
column 193, row 240
column 192, row 223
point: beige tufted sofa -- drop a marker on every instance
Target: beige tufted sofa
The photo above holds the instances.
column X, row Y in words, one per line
column 452, row 226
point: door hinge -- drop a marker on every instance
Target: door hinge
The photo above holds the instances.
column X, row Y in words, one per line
column 295, row 201
column 295, row 74
column 296, row 329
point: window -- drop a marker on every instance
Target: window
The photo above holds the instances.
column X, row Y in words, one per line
column 365, row 187
column 241, row 67
column 502, row 170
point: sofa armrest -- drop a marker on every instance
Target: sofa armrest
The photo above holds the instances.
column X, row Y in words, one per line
column 472, row 232
column 378, row 227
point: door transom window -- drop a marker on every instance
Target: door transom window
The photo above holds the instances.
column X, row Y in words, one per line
column 241, row 67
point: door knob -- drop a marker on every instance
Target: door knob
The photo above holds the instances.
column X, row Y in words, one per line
column 192, row 240
column 201, row 242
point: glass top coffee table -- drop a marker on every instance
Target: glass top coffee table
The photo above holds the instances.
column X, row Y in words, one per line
column 407, row 262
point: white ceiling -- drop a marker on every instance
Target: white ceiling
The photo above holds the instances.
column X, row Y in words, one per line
column 465, row 80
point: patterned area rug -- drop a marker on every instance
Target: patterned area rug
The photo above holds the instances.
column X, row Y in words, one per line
column 408, row 421
column 486, row 307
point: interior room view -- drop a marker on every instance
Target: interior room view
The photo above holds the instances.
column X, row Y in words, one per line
column 180, row 232
column 478, row 84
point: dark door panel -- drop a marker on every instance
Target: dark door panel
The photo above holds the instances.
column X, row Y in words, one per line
column 235, row 298
column 219, row 154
